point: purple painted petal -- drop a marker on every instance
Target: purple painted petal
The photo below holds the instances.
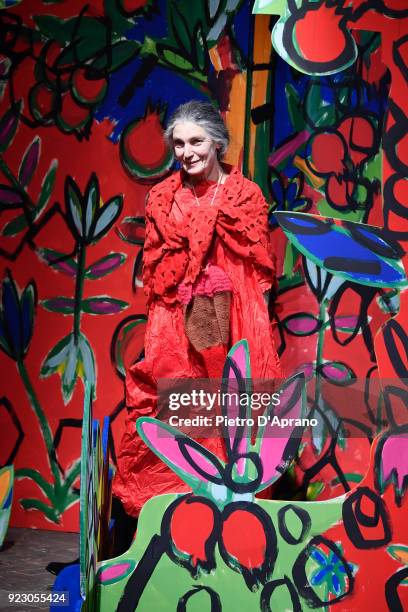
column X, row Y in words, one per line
column 303, row 325
column 103, row 305
column 29, row 162
column 9, row 197
column 104, row 266
column 115, row 571
column 346, row 321
column 336, row 371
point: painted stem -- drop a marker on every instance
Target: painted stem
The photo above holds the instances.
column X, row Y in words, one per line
column 79, row 289
column 42, row 419
column 320, row 344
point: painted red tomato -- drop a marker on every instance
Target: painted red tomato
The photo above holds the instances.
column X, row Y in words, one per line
column 249, row 547
column 327, row 153
column 318, row 35
column 338, row 189
column 359, row 134
column 86, row 88
column 42, row 102
column 143, row 150
column 71, row 116
column 132, row 6
column 192, row 523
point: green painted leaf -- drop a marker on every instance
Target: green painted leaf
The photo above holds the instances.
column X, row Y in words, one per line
column 15, row 226
column 179, row 30
column 322, row 113
column 29, row 162
column 71, row 475
column 8, row 126
column 291, row 256
column 61, row 30
column 36, row 477
column 92, row 39
column 61, row 304
column 399, row 552
column 174, row 59
column 200, row 46
column 47, row 186
column 326, row 210
column 35, row 504
column 59, row 261
column 294, row 108
column 120, row 54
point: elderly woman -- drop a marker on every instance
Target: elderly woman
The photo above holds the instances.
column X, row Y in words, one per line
column 207, row 269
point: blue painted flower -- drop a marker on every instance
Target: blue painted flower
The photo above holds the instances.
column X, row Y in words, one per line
column 287, row 196
column 16, row 318
column 331, row 571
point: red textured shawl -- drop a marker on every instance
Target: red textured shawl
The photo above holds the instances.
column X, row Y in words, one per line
column 176, row 253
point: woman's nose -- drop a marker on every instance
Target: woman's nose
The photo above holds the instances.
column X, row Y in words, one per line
column 188, row 151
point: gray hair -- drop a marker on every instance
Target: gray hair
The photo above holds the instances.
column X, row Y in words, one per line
column 206, row 116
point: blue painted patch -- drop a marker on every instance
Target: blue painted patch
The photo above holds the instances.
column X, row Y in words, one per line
column 68, row 581
column 339, row 252
column 8, row 499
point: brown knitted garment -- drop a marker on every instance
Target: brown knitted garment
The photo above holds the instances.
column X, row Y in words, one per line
column 207, row 320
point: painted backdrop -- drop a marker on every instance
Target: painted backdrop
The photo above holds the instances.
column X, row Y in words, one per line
column 84, row 87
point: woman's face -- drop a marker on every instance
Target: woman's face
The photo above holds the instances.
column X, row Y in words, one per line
column 196, row 151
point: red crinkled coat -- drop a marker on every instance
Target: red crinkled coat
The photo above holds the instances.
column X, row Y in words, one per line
column 234, row 236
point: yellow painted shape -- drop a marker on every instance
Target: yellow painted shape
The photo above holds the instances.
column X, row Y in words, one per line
column 215, row 58
column 5, row 481
column 300, row 163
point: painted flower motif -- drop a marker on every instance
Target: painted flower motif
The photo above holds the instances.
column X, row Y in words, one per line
column 331, row 571
column 16, row 318
column 88, row 218
column 392, row 459
column 287, row 194
column 73, row 358
column 339, row 155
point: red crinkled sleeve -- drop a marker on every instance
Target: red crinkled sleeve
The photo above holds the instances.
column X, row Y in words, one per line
column 153, row 250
